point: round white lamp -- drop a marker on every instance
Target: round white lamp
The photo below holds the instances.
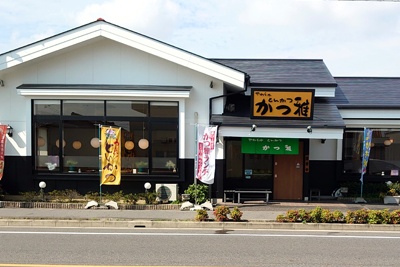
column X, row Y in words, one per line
column 147, row 186
column 143, row 143
column 77, row 144
column 42, row 186
column 95, row 142
column 41, row 142
column 129, row 145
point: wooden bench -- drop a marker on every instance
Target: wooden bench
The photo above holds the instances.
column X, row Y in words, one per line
column 244, row 191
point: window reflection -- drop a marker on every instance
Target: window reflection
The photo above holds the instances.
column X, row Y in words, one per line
column 47, row 153
column 79, row 154
column 164, row 147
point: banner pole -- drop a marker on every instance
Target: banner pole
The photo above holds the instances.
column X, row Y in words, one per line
column 195, row 163
column 100, row 158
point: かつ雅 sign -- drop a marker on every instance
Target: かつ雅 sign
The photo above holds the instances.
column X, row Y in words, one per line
column 282, row 104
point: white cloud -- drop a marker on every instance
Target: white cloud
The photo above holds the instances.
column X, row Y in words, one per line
column 353, row 37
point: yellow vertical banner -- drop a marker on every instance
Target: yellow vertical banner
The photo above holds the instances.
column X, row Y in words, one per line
column 110, row 156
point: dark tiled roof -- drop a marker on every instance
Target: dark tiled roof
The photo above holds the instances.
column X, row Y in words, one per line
column 368, row 92
column 325, row 116
column 283, row 71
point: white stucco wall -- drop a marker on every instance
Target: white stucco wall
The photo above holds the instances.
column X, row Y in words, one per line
column 102, row 62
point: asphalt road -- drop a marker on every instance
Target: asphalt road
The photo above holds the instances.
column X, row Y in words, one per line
column 213, row 247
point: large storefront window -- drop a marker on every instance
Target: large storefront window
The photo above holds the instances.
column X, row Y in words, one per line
column 69, row 130
column 384, row 160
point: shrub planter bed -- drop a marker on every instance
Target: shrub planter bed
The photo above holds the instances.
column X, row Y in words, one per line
column 50, row 205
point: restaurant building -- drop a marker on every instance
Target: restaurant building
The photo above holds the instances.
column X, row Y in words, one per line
column 284, row 125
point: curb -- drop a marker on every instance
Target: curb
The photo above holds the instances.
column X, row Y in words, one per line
column 198, row 225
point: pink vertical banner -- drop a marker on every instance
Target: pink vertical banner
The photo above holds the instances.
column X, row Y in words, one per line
column 3, row 133
column 206, row 143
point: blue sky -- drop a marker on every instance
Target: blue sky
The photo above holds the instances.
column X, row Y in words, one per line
column 354, row 38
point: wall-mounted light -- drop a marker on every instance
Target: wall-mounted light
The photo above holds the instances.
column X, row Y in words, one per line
column 95, row 142
column 323, row 141
column 10, row 131
column 387, row 142
column 211, row 84
column 77, row 144
column 58, row 143
column 41, row 141
column 309, row 129
column 129, row 145
column 253, row 128
column 1, row 83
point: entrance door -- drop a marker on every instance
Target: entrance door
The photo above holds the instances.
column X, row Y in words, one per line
column 288, row 175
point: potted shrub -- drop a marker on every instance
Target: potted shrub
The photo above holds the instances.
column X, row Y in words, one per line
column 392, row 195
column 72, row 165
column 170, row 165
column 141, row 165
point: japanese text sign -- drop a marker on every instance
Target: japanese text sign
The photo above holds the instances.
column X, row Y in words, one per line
column 366, row 150
column 206, row 142
column 3, row 133
column 282, row 104
column 257, row 145
column 110, row 156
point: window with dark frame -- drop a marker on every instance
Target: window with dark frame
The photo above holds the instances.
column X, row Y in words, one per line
column 384, row 159
column 68, row 130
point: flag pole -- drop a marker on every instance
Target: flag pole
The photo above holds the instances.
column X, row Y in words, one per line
column 100, row 158
column 195, row 163
column 196, row 118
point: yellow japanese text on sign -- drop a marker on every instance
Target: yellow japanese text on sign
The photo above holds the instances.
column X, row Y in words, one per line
column 110, row 156
column 282, row 104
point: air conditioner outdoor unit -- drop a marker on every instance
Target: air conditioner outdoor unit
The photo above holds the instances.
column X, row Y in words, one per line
column 167, row 192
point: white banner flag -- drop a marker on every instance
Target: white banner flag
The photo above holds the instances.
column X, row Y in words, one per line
column 206, row 142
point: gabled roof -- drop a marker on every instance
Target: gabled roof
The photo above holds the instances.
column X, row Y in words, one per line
column 283, row 72
column 101, row 28
column 368, row 92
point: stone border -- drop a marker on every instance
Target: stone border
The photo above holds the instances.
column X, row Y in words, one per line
column 201, row 225
column 49, row 205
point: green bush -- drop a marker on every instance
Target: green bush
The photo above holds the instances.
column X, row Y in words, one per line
column 292, row 215
column 29, row 196
column 202, row 193
column 148, row 197
column 316, row 215
column 281, row 218
column 361, row 216
column 221, row 213
column 349, row 217
column 131, row 198
column 326, row 216
column 236, row 214
column 337, row 216
column 395, row 217
column 92, row 196
column 202, row 215
column 304, row 216
column 378, row 216
column 116, row 197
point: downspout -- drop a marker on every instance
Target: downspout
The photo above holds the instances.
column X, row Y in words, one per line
column 246, row 83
